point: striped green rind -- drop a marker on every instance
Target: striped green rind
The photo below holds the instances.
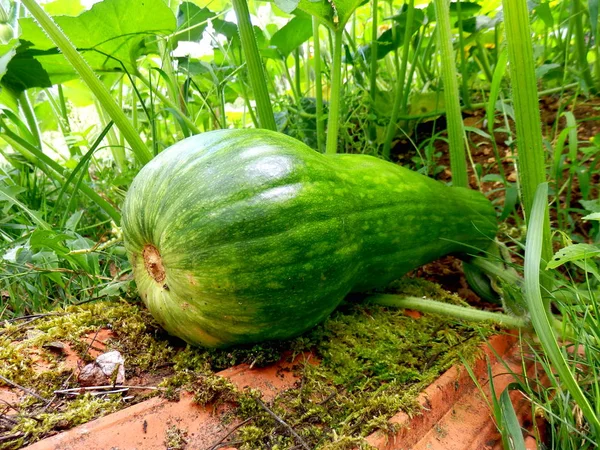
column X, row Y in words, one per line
column 261, row 237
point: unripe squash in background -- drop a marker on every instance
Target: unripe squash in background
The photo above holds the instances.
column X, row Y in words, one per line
column 240, row 236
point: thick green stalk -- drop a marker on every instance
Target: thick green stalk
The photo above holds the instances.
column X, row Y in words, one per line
column 456, row 132
column 373, row 73
column 333, row 126
column 540, row 316
column 446, row 309
column 318, row 85
column 400, row 80
column 91, row 80
column 255, row 67
column 527, row 114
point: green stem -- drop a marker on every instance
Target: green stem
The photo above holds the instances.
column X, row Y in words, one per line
column 297, row 77
column 446, row 309
column 483, row 60
column 63, row 117
column 333, row 126
column 413, row 68
column 463, row 60
column 373, row 72
column 255, row 67
column 531, row 159
column 456, row 133
column 318, row 85
column 401, row 78
column 164, row 47
column 584, row 67
column 27, row 109
column 91, row 80
column 163, row 98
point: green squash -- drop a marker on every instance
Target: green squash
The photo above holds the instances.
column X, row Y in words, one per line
column 241, row 236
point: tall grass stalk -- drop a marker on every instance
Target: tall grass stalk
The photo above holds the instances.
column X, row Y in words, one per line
column 318, row 85
column 527, row 114
column 333, row 125
column 91, row 80
column 256, row 71
column 456, row 132
column 581, row 45
column 400, row 81
column 373, row 72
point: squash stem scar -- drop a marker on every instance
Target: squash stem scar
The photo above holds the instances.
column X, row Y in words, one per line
column 153, row 263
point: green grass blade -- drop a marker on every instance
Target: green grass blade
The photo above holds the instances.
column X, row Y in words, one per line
column 511, row 423
column 537, row 310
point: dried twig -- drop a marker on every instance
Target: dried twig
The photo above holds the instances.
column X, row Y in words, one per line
column 33, row 317
column 24, row 389
column 108, row 387
column 284, row 423
column 96, row 393
column 222, row 442
column 11, row 437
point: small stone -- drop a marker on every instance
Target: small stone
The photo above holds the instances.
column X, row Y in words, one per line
column 109, row 368
column 113, row 366
column 56, row 346
column 92, row 375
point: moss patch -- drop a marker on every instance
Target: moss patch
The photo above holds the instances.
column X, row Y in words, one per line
column 373, row 363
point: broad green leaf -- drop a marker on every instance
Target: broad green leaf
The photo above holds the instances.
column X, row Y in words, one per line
column 287, row 5
column 547, row 70
column 333, row 13
column 467, row 9
column 575, row 252
column 292, row 35
column 7, row 52
column 51, row 240
column 478, row 23
column 591, row 205
column 64, row 8
column 426, row 102
column 544, row 12
column 594, row 216
column 191, row 22
column 110, row 35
